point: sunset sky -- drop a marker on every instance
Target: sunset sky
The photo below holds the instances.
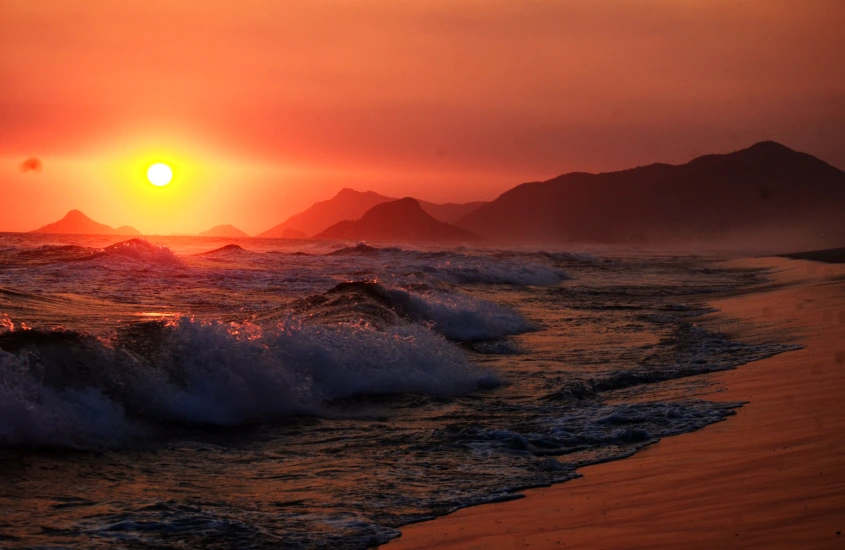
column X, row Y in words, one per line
column 264, row 106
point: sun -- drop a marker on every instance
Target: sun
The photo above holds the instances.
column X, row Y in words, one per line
column 159, row 174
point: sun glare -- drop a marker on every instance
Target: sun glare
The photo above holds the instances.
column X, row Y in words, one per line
column 159, row 174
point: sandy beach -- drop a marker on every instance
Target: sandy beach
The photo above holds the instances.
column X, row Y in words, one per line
column 772, row 476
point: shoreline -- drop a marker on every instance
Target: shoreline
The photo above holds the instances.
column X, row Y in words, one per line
column 773, row 475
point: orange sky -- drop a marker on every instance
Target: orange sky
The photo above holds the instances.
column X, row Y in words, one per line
column 264, row 106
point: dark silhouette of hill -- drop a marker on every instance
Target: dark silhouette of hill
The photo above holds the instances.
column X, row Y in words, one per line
column 349, row 204
column 450, row 212
column 224, row 231
column 767, row 193
column 400, row 220
column 75, row 222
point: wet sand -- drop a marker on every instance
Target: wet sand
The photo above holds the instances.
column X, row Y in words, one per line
column 772, row 476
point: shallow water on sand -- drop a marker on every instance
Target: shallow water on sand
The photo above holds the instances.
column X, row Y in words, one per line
column 195, row 392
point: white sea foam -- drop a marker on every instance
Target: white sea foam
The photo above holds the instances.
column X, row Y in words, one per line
column 140, row 250
column 211, row 373
column 32, row 413
column 459, row 316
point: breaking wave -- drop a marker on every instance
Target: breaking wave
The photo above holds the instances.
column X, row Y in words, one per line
column 65, row 389
column 457, row 316
column 140, row 250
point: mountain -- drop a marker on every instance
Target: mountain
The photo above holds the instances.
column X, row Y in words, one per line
column 224, row 231
column 349, row 204
column 400, row 220
column 75, row 222
column 766, row 193
column 450, row 212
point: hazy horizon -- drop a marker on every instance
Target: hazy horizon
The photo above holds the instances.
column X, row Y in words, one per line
column 34, row 165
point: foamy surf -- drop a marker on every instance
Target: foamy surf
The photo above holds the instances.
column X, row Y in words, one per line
column 139, row 250
column 457, row 316
column 347, row 394
column 65, row 389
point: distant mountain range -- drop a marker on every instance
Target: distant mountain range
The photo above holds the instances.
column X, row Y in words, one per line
column 400, row 220
column 766, row 193
column 349, row 204
column 75, row 222
column 224, row 231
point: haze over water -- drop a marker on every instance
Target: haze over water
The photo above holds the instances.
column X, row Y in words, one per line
column 193, row 392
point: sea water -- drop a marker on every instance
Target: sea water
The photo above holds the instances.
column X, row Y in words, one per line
column 186, row 392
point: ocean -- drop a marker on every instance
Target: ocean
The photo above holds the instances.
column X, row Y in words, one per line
column 187, row 392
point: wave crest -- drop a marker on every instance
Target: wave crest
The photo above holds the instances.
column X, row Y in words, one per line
column 139, row 250
column 69, row 390
column 457, row 316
